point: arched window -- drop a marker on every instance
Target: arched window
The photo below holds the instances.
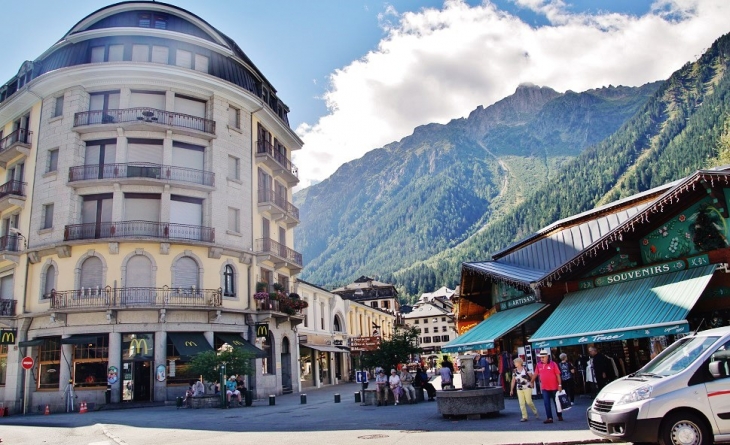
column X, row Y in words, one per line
column 229, row 286
column 49, row 283
column 268, row 363
column 186, row 273
column 337, row 324
column 92, row 273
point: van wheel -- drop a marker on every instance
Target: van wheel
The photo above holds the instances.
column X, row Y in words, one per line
column 683, row 429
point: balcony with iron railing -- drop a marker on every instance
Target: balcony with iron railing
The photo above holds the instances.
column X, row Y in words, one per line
column 134, row 172
column 277, row 162
column 278, row 208
column 131, row 297
column 144, row 118
column 7, row 307
column 267, row 249
column 139, row 229
column 14, row 144
column 10, row 243
column 12, row 193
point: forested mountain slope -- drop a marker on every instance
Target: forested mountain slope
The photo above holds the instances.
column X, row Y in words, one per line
column 415, row 198
column 680, row 129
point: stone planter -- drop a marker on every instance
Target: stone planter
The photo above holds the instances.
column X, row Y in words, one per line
column 207, row 401
column 470, row 403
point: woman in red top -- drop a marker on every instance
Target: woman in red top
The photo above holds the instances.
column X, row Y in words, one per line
column 550, row 384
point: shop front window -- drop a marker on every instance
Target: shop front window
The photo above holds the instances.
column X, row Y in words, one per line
column 182, row 374
column 49, row 363
column 90, row 361
column 3, row 363
column 305, row 367
column 268, row 362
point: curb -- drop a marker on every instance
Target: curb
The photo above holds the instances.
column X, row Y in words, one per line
column 570, row 442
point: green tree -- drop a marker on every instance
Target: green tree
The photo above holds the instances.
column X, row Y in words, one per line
column 396, row 350
column 208, row 363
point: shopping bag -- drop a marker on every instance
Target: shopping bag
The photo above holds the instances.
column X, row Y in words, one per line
column 562, row 401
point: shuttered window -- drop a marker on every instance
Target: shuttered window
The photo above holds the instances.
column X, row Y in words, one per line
column 140, row 53
column 144, row 150
column 50, row 281
column 184, row 210
column 91, row 273
column 184, row 59
column 147, row 99
column 6, row 287
column 116, row 53
column 97, row 54
column 187, row 105
column 233, row 169
column 139, row 272
column 104, row 101
column 100, row 152
column 201, row 63
column 160, row 54
column 233, row 220
column 234, row 117
column 188, row 155
column 141, row 207
column 186, row 274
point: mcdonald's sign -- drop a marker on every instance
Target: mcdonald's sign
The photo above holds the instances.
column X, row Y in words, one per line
column 135, row 346
column 262, row 330
column 190, row 343
column 237, row 343
column 7, row 337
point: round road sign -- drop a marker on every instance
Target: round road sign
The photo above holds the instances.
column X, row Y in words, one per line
column 27, row 363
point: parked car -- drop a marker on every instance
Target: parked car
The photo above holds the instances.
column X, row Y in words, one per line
column 682, row 396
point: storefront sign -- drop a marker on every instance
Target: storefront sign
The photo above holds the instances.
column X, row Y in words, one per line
column 262, row 330
column 673, row 329
column 338, row 343
column 638, row 274
column 698, row 261
column 160, row 373
column 171, row 368
column 510, row 304
column 112, row 375
column 7, row 336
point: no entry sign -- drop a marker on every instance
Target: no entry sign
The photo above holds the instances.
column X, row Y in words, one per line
column 27, row 363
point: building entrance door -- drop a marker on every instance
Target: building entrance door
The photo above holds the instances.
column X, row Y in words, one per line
column 137, row 384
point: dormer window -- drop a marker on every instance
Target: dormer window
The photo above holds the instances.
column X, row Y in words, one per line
column 148, row 20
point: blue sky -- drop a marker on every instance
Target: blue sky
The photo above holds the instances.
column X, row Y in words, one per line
column 358, row 74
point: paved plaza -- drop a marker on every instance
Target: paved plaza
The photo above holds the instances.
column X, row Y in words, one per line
column 320, row 420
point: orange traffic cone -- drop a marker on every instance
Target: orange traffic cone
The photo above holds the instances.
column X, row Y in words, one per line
column 48, row 411
column 82, row 409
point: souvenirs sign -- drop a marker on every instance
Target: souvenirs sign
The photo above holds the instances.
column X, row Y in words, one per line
column 363, row 344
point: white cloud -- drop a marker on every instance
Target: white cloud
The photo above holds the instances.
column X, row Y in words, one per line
column 438, row 64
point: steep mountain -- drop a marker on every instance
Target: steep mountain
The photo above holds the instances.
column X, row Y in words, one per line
column 684, row 126
column 412, row 199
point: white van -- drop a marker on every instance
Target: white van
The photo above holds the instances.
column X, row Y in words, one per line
column 682, row 396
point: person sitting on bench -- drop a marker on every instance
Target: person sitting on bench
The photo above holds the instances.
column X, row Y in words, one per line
column 231, row 390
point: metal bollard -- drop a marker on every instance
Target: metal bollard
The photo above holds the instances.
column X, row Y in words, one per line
column 272, row 400
column 337, row 398
column 303, row 399
column 358, row 398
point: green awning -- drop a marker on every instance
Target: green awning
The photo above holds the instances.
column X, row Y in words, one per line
column 239, row 342
column 189, row 343
column 80, row 340
column 634, row 309
column 486, row 333
column 27, row 343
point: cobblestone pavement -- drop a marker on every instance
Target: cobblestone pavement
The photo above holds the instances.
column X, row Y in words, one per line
column 320, row 420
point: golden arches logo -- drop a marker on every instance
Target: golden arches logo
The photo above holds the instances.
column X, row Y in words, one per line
column 237, row 342
column 190, row 343
column 7, row 338
column 262, row 330
column 137, row 344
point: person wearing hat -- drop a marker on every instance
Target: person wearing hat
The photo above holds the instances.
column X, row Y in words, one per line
column 381, row 387
column 550, row 383
column 395, row 385
column 232, row 390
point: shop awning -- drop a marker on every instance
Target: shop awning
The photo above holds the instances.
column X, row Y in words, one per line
column 483, row 335
column 79, row 340
column 323, row 348
column 27, row 343
column 189, row 343
column 239, row 342
column 634, row 309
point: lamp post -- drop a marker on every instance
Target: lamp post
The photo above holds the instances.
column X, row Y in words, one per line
column 222, row 384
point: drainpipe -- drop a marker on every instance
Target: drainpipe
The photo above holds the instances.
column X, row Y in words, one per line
column 253, row 205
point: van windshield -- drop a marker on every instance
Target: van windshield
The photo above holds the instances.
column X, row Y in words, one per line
column 677, row 357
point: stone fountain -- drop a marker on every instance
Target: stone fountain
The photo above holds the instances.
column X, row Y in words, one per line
column 470, row 401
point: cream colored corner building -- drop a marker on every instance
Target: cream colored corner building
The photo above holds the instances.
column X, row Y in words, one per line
column 148, row 183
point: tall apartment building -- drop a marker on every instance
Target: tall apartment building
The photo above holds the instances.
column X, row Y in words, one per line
column 148, row 188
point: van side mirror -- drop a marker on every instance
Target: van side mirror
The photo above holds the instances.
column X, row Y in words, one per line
column 719, row 369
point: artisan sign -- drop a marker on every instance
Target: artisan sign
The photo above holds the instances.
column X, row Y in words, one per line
column 362, row 344
column 509, row 304
column 637, row 274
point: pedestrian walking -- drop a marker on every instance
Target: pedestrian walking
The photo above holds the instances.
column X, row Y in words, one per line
column 482, row 369
column 521, row 382
column 550, row 384
column 601, row 367
column 567, row 374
